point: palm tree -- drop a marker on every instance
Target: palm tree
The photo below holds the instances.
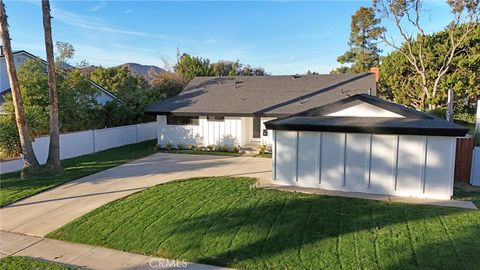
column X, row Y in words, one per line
column 22, row 125
column 53, row 160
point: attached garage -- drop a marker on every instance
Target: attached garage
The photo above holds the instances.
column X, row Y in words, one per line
column 368, row 145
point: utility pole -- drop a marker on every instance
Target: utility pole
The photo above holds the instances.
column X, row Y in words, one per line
column 450, row 106
column 477, row 123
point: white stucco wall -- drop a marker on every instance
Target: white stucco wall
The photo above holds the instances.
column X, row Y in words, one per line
column 267, row 140
column 404, row 165
column 231, row 131
column 365, row 110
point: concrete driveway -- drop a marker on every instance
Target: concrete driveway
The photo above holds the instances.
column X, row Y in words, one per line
column 49, row 210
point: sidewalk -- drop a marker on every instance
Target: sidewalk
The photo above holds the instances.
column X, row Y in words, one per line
column 91, row 257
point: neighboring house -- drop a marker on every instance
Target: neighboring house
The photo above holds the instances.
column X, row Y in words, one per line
column 233, row 110
column 19, row 57
column 365, row 144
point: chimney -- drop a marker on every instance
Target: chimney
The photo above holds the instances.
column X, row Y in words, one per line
column 376, row 71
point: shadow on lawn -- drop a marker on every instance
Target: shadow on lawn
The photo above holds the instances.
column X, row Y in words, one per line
column 458, row 253
column 302, row 221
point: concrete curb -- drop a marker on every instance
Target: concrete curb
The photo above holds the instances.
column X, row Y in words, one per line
column 267, row 184
column 86, row 256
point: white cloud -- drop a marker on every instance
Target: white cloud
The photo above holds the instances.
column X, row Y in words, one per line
column 98, row 6
column 98, row 25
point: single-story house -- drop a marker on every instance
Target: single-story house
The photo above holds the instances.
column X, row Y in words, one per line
column 233, row 110
column 368, row 145
column 326, row 131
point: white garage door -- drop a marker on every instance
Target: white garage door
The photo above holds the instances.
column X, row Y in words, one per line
column 417, row 166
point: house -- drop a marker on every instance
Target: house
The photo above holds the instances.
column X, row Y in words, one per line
column 103, row 95
column 233, row 110
column 368, row 145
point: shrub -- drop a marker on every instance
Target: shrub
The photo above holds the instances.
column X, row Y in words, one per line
column 236, row 149
column 9, row 140
column 200, row 147
column 463, row 118
column 211, row 147
column 262, row 148
column 180, row 146
column 467, row 118
column 37, row 119
column 268, row 150
column 169, row 146
column 191, row 147
column 223, row 148
column 439, row 112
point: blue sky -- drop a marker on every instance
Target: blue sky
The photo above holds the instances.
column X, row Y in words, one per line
column 283, row 37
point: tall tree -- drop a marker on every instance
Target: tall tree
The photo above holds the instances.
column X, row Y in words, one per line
column 22, row 125
column 188, row 67
column 400, row 82
column 53, row 160
column 407, row 14
column 65, row 51
column 364, row 52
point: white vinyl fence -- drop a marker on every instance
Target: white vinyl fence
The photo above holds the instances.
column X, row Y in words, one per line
column 86, row 142
column 475, row 175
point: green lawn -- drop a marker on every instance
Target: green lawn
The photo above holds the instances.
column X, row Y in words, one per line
column 14, row 188
column 265, row 155
column 201, row 152
column 222, row 221
column 21, row 263
column 463, row 191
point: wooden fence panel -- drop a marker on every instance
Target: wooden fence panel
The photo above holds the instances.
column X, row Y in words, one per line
column 463, row 159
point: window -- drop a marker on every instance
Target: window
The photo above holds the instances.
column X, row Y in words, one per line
column 182, row 120
column 216, row 118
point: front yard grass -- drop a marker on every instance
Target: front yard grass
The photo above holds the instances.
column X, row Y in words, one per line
column 14, row 188
column 222, row 221
column 18, row 263
column 264, row 155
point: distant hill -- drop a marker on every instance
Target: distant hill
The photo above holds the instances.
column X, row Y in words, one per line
column 145, row 71
column 87, row 70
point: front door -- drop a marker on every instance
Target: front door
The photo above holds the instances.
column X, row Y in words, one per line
column 256, row 127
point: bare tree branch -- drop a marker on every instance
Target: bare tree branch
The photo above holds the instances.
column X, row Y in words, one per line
column 465, row 14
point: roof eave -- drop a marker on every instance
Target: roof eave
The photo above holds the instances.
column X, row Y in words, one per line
column 423, row 131
column 233, row 114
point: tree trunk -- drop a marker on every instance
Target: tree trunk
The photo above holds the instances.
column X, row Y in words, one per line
column 53, row 160
column 22, row 125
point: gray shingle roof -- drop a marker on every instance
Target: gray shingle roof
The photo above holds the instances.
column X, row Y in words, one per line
column 263, row 95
